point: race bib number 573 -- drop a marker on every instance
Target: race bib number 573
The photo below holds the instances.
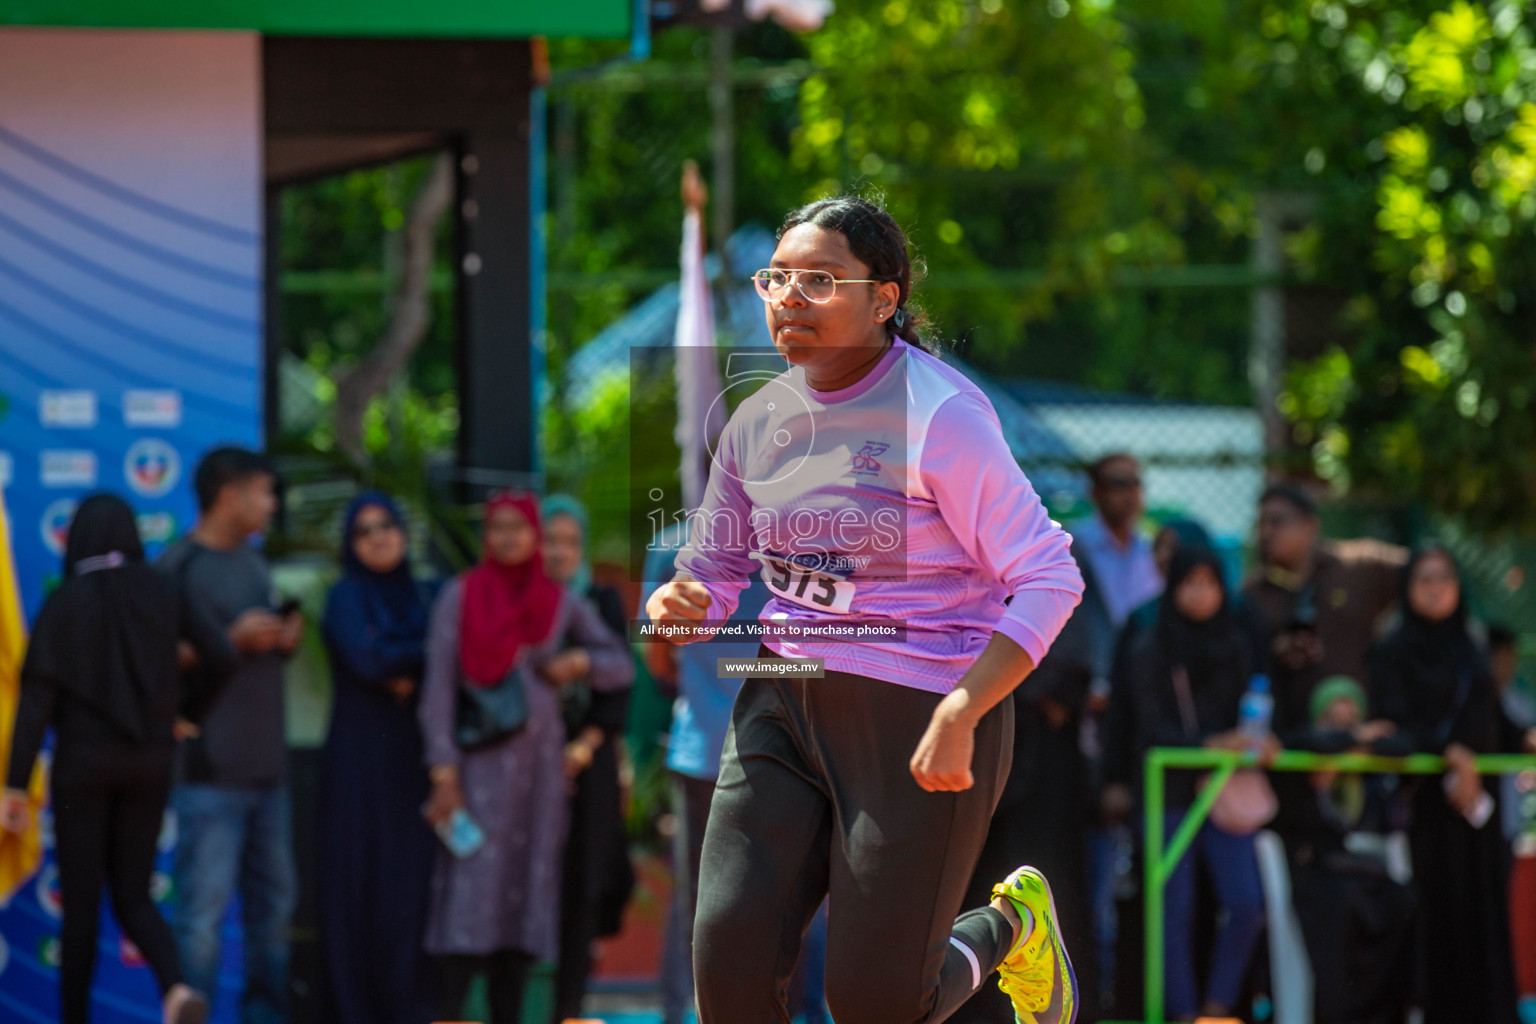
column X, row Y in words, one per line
column 809, row 587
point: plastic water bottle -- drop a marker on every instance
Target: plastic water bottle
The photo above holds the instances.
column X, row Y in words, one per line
column 1256, row 712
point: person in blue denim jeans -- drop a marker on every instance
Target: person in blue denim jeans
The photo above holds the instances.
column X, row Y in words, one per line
column 231, row 803
column 700, row 717
column 236, row 838
column 1185, row 675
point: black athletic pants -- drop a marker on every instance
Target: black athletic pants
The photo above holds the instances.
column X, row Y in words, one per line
column 815, row 798
column 506, row 974
column 108, row 803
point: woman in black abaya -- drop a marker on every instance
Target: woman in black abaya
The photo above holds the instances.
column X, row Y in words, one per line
column 1430, row 678
column 597, row 878
column 102, row 668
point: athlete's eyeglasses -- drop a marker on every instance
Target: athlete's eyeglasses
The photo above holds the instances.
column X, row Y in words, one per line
column 816, row 285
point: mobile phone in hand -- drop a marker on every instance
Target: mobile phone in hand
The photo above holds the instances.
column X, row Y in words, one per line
column 461, row 834
column 287, row 608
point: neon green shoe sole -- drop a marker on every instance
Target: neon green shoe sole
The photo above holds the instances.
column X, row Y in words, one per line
column 1037, row 974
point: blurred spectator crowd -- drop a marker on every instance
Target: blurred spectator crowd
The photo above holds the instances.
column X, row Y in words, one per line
column 473, row 778
column 1409, row 896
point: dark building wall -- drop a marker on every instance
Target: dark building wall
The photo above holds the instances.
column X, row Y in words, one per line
column 333, row 104
column 472, row 96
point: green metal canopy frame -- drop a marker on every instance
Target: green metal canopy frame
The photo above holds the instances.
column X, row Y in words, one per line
column 1160, row 860
column 504, row 19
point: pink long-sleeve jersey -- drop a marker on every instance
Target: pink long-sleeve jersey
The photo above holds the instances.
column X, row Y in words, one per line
column 893, row 500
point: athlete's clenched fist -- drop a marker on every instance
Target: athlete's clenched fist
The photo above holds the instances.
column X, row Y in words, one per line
column 682, row 602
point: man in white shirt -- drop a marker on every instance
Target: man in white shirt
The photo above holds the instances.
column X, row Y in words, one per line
column 1116, row 551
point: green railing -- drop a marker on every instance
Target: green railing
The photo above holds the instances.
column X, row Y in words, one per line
column 1160, row 862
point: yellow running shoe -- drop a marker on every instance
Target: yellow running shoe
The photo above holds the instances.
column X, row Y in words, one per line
column 1036, row 974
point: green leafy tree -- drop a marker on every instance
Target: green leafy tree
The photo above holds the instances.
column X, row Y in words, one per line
column 1430, row 239
column 1082, row 179
column 1011, row 139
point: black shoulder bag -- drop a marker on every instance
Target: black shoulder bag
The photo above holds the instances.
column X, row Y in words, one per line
column 487, row 715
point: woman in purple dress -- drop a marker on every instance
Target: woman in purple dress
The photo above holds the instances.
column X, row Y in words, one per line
column 496, row 910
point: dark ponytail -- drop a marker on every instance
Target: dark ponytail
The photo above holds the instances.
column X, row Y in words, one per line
column 878, row 241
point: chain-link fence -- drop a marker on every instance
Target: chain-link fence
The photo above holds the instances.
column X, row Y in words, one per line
column 1208, row 463
column 1199, row 462
column 1498, row 574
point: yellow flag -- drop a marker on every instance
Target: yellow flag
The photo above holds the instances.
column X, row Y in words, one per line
column 21, row 854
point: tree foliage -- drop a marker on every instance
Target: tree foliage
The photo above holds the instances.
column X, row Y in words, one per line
column 1423, row 148
column 1071, row 171
column 1157, row 128
column 343, row 248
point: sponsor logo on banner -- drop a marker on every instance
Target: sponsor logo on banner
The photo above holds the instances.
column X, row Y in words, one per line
column 157, row 527
column 7, row 469
column 49, row 896
column 152, row 409
column 55, row 524
column 48, row 951
column 72, row 409
column 128, row 953
column 161, row 887
column 152, row 467
column 72, row 468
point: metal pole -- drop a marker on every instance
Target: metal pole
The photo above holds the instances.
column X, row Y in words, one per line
column 722, row 107
column 1266, row 352
column 1193, row 819
column 1152, row 887
column 1274, row 212
column 1160, row 861
column 538, row 263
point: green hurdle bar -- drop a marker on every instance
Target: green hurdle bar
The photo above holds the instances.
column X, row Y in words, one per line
column 1160, row 862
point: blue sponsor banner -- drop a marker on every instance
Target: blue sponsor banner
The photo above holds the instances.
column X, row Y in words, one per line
column 130, row 344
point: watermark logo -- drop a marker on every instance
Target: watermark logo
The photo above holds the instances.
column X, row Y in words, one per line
column 790, row 477
column 787, row 422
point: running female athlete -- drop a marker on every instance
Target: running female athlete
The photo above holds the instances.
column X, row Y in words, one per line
column 872, row 486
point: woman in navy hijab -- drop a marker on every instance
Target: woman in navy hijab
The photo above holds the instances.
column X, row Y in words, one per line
column 376, row 851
